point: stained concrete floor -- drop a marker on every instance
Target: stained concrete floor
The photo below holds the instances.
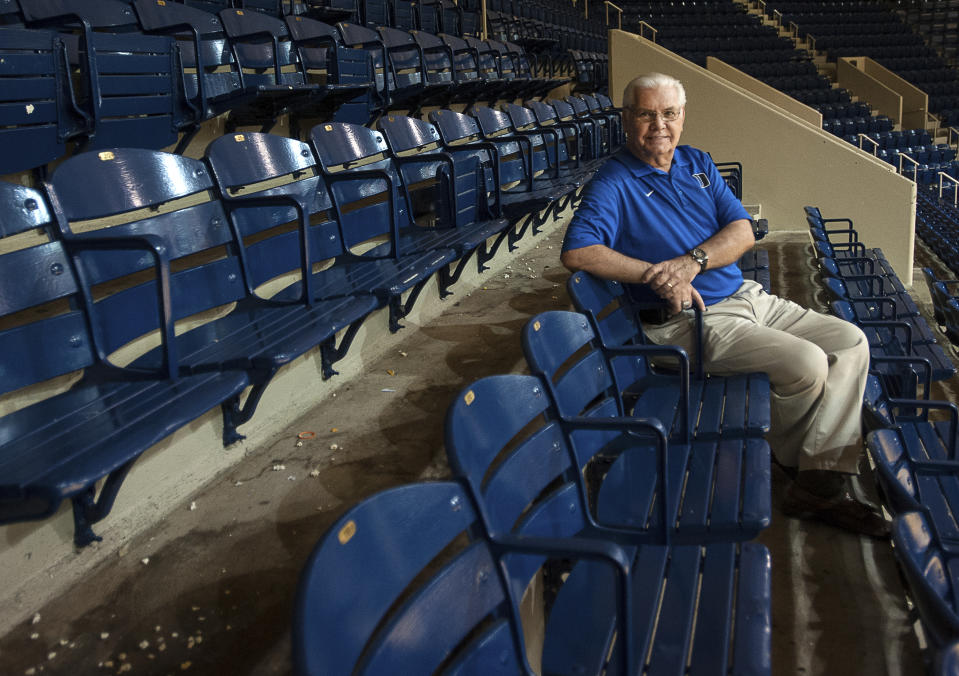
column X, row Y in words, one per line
column 210, row 590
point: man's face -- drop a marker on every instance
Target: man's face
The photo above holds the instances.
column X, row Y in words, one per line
column 652, row 138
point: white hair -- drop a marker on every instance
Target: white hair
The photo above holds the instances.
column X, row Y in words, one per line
column 654, row 81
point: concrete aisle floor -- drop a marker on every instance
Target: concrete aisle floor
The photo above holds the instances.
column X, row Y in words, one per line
column 210, row 590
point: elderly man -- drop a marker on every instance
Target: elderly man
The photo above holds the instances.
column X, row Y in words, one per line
column 659, row 217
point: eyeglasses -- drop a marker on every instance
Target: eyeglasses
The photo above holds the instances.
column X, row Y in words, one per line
column 668, row 115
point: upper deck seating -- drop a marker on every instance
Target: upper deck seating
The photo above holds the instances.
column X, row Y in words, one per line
column 100, row 417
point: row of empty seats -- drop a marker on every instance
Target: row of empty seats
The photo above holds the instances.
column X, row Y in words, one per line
column 911, row 438
column 304, row 241
column 865, row 290
column 152, row 72
column 625, row 496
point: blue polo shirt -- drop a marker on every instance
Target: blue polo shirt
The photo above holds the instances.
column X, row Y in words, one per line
column 653, row 215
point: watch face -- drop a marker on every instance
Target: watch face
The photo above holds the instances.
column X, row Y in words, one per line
column 699, row 253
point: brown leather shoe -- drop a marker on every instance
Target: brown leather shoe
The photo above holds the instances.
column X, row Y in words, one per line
column 842, row 511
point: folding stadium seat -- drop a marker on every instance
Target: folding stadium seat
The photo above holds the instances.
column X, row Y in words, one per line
column 214, row 82
column 488, row 67
column 468, row 81
column 376, row 13
column 131, row 84
column 403, row 15
column 345, row 76
column 497, row 126
column 393, row 89
column 76, row 443
column 397, row 536
column 257, row 336
column 721, row 406
column 927, row 564
column 556, row 142
column 412, row 86
column 40, row 113
column 523, row 463
column 460, row 209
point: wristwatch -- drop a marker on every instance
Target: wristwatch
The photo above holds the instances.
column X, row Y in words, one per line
column 700, row 257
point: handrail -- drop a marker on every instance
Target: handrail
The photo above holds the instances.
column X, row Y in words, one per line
column 811, row 41
column 483, row 34
column 955, row 188
column 642, row 33
column 954, row 133
column 915, row 169
column 618, row 9
column 874, row 142
column 778, row 16
column 794, row 29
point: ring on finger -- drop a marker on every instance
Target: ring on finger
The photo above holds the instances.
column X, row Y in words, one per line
column 687, row 304
column 669, row 285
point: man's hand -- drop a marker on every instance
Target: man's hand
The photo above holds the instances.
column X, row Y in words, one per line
column 671, row 280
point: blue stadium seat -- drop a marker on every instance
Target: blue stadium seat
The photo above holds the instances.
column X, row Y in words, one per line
column 506, row 169
column 523, row 464
column 60, row 447
column 461, row 212
column 196, row 267
column 373, row 598
column 721, row 479
column 928, row 566
column 40, row 113
column 726, row 405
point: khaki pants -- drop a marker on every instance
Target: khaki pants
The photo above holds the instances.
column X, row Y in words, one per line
column 817, row 367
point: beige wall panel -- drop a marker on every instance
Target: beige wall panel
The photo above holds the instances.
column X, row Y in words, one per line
column 915, row 102
column 884, row 99
column 786, row 163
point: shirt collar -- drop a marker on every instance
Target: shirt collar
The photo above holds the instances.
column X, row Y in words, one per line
column 638, row 168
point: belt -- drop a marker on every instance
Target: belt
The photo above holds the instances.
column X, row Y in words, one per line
column 654, row 316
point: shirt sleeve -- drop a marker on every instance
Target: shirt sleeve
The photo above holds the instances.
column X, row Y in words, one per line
column 597, row 218
column 728, row 208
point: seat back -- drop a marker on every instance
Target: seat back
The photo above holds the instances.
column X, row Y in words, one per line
column 278, row 205
column 170, row 255
column 37, row 108
column 487, row 59
column 465, row 61
column 607, row 304
column 368, row 194
column 325, row 60
column 43, row 332
column 437, row 59
column 562, row 348
column 137, row 91
column 446, row 185
column 930, row 573
column 211, row 75
column 398, row 585
column 406, row 60
column 263, row 49
column 517, row 462
column 519, row 158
